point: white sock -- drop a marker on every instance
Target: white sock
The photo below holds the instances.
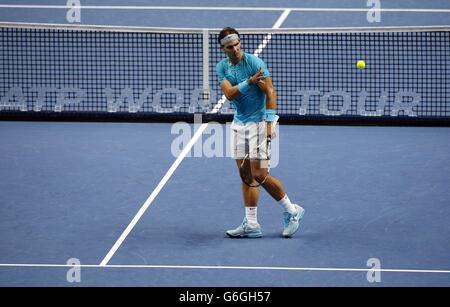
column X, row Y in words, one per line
column 251, row 215
column 287, row 205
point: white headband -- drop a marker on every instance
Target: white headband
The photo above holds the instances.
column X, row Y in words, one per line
column 228, row 39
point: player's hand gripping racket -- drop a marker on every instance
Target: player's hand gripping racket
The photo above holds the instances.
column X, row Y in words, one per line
column 265, row 147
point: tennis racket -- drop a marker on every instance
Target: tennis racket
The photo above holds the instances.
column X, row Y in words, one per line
column 264, row 146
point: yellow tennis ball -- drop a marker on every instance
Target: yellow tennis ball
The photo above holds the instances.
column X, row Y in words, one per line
column 361, row 64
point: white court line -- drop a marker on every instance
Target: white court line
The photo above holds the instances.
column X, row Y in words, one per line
column 152, row 196
column 220, row 8
column 217, row 267
column 172, row 169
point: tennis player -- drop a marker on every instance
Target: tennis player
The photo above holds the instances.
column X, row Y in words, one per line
column 246, row 83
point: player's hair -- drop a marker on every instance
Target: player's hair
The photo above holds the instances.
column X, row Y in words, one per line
column 227, row 31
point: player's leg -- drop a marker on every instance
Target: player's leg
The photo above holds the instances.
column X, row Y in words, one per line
column 259, row 164
column 293, row 213
column 272, row 185
column 250, row 193
column 250, row 226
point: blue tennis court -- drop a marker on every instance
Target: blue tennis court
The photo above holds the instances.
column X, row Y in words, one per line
column 100, row 203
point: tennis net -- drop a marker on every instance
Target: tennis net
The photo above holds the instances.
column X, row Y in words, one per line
column 161, row 73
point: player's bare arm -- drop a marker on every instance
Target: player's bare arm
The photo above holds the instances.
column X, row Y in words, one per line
column 267, row 87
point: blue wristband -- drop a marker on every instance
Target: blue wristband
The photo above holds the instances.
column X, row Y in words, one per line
column 243, row 87
column 270, row 115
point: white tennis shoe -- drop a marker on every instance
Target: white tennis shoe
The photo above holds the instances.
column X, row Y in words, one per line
column 245, row 231
column 292, row 221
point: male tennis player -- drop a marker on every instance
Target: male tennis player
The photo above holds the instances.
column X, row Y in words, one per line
column 246, row 82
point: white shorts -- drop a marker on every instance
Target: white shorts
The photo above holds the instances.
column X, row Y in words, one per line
column 250, row 138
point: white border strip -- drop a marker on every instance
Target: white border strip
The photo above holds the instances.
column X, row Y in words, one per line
column 76, row 27
column 216, row 267
column 169, row 173
column 221, row 8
